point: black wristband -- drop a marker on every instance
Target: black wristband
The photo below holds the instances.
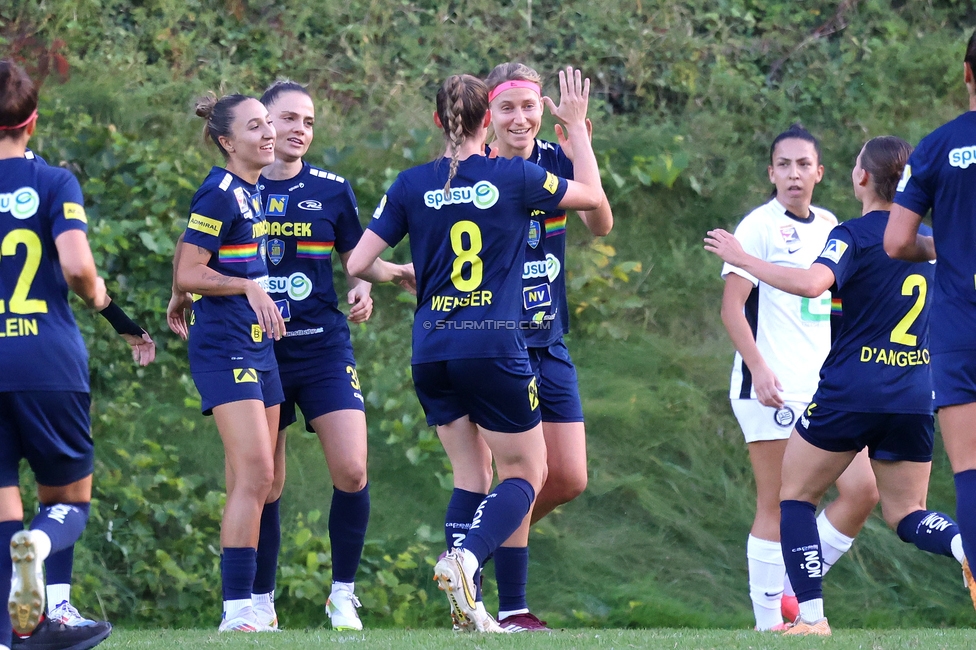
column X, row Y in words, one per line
column 120, row 321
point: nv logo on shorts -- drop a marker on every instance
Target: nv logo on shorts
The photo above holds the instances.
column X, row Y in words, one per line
column 245, row 376
column 533, row 395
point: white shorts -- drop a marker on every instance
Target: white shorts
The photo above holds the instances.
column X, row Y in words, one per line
column 760, row 422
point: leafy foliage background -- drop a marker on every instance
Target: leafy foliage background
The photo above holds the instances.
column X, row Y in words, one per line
column 687, row 96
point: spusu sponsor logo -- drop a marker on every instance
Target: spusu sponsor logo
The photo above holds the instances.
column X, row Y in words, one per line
column 962, row 157
column 483, row 195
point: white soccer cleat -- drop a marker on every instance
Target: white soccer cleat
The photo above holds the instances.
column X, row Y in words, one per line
column 341, row 608
column 26, row 603
column 245, row 621
column 458, row 583
column 266, row 615
column 66, row 614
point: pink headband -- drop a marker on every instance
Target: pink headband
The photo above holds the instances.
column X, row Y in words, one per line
column 515, row 83
column 27, row 121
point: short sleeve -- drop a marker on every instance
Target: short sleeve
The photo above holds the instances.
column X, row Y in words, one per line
column 348, row 229
column 752, row 237
column 68, row 207
column 211, row 216
column 839, row 255
column 390, row 219
column 565, row 165
column 543, row 190
column 915, row 190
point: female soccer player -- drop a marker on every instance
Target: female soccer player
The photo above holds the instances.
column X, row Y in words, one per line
column 222, row 259
column 781, row 341
column 467, row 217
column 940, row 176
column 515, row 100
column 875, row 387
column 44, row 252
column 311, row 213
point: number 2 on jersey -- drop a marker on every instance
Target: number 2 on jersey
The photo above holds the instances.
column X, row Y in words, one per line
column 900, row 333
column 466, row 255
column 19, row 302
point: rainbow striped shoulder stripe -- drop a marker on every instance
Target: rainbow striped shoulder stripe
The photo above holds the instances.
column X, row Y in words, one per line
column 555, row 226
column 836, row 307
column 315, row 250
column 238, row 252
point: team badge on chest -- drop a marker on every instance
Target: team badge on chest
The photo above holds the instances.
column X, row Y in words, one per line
column 535, row 233
column 276, row 250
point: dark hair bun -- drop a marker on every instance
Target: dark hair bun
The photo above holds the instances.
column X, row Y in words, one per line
column 205, row 105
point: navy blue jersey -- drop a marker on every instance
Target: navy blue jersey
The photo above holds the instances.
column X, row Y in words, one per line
column 543, row 279
column 309, row 216
column 941, row 176
column 467, row 249
column 879, row 359
column 226, row 219
column 40, row 345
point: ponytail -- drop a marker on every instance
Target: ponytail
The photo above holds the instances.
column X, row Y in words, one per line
column 462, row 103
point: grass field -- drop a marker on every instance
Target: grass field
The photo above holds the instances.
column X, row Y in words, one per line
column 930, row 639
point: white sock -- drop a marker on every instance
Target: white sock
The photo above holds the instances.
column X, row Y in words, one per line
column 263, row 599
column 788, row 587
column 957, row 552
column 57, row 594
column 812, row 610
column 344, row 586
column 505, row 613
column 766, row 576
column 233, row 607
column 833, row 543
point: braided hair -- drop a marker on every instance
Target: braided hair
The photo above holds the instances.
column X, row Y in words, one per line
column 462, row 103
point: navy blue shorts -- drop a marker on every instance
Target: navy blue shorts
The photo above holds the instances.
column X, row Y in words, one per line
column 558, row 386
column 496, row 394
column 52, row 430
column 954, row 377
column 888, row 436
column 331, row 385
column 225, row 386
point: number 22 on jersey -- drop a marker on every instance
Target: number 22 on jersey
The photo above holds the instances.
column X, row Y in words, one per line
column 19, row 302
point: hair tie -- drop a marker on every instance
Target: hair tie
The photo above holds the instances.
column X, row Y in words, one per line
column 22, row 124
column 515, row 83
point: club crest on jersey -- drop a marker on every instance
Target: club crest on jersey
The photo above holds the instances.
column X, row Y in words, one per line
column 241, row 200
column 784, row 417
column 790, row 236
column 535, row 230
column 834, row 250
column 277, row 205
column 276, row 251
column 21, row 204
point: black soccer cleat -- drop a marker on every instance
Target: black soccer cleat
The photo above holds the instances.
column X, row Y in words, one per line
column 53, row 635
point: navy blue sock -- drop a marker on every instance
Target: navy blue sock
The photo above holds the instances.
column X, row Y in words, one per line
column 498, row 516
column 63, row 522
column 801, row 548
column 348, row 519
column 930, row 531
column 460, row 512
column 269, row 543
column 237, row 569
column 966, row 510
column 511, row 574
column 7, row 530
column 58, row 566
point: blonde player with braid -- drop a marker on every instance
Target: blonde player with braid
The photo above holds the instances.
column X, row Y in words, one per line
column 468, row 217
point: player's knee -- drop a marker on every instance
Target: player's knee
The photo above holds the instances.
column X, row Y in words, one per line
column 865, row 497
column 350, row 477
column 257, row 479
column 563, row 487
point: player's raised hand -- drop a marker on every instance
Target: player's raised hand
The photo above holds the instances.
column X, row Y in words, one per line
column 269, row 318
column 362, row 303
column 565, row 143
column 143, row 348
column 574, row 97
column 725, row 245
